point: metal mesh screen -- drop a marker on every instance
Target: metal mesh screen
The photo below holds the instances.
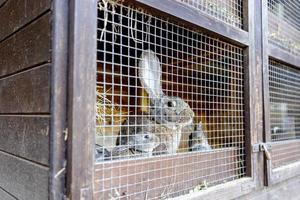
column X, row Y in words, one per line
column 170, row 107
column 284, row 23
column 229, row 11
column 285, row 152
column 284, row 87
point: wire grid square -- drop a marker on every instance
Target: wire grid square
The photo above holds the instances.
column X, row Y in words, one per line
column 141, row 156
column 228, row 11
column 284, row 23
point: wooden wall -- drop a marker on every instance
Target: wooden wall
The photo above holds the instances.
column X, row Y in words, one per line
column 25, row 69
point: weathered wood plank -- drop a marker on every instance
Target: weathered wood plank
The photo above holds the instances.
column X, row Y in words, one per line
column 203, row 21
column 26, row 137
column 27, row 92
column 24, row 179
column 59, row 76
column 177, row 174
column 284, row 56
column 27, row 48
column 82, row 94
column 288, row 189
column 5, row 196
column 17, row 13
column 285, row 152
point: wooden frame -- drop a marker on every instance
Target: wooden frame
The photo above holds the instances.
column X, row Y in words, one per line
column 275, row 175
column 82, row 93
column 283, row 56
column 253, row 82
column 199, row 20
column 58, row 99
column 82, row 96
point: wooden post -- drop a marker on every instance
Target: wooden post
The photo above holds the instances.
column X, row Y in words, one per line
column 82, row 98
column 58, row 99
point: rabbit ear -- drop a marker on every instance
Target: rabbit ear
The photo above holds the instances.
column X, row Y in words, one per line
column 150, row 73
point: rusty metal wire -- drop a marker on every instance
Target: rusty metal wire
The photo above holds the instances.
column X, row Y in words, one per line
column 138, row 156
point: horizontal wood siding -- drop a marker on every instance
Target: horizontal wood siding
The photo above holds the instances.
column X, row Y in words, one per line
column 27, row 48
column 23, row 179
column 25, row 136
column 25, row 75
column 17, row 13
column 28, row 92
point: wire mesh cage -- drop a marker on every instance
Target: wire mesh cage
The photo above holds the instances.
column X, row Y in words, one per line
column 284, row 23
column 229, row 11
column 284, row 87
column 170, row 107
column 284, row 92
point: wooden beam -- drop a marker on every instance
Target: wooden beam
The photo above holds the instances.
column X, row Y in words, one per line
column 203, row 21
column 283, row 56
column 58, row 108
column 82, row 98
column 266, row 96
column 284, row 173
column 285, row 152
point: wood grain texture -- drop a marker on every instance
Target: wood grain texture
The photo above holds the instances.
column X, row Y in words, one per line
column 17, row 13
column 82, row 95
column 168, row 176
column 27, row 48
column 6, row 196
column 286, row 190
column 23, row 179
column 26, row 137
column 27, row 92
column 59, row 76
column 285, row 152
column 2, row 2
column 283, row 56
column 202, row 21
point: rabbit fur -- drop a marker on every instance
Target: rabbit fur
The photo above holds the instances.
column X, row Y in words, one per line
column 198, row 140
column 172, row 113
column 161, row 134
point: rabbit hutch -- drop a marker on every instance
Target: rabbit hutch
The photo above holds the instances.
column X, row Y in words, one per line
column 148, row 99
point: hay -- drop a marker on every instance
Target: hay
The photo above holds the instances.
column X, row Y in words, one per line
column 108, row 113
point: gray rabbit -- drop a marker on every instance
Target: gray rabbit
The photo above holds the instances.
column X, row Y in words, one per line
column 198, row 140
column 172, row 113
column 146, row 135
column 101, row 153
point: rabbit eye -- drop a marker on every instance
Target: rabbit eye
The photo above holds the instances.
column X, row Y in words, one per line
column 171, row 104
column 146, row 136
